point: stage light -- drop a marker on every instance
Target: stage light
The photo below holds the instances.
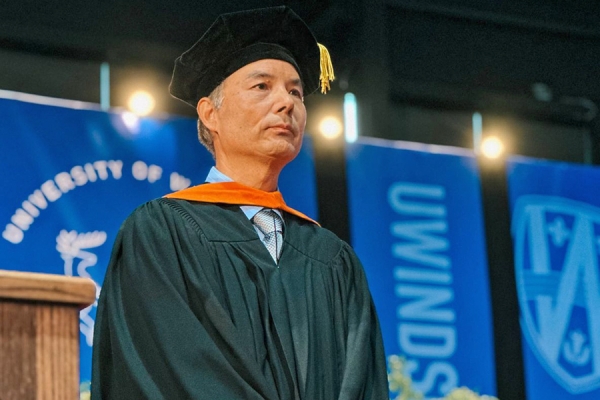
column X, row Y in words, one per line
column 105, row 86
column 330, row 127
column 141, row 103
column 350, row 118
column 492, row 147
column 477, row 121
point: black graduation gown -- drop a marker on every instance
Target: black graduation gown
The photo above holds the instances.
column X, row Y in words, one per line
column 194, row 307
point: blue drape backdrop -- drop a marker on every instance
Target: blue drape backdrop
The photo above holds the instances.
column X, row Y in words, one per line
column 417, row 225
column 556, row 233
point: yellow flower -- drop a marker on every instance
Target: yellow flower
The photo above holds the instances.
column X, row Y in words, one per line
column 401, row 385
column 84, row 391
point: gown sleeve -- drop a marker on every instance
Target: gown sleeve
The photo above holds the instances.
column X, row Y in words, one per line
column 149, row 342
column 365, row 371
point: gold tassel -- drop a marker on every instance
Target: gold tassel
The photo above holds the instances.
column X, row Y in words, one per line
column 326, row 69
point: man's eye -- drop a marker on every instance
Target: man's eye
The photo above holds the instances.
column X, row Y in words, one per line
column 296, row 92
column 261, row 86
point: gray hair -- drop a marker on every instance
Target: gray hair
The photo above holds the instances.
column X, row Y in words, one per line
column 204, row 134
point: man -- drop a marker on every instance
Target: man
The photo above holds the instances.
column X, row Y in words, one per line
column 221, row 291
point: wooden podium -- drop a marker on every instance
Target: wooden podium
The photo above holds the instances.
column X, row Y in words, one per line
column 39, row 335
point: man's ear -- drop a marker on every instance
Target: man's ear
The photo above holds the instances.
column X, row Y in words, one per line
column 207, row 114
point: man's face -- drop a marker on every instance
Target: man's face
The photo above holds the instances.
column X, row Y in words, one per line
column 262, row 115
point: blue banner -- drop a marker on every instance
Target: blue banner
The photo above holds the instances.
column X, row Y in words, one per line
column 556, row 233
column 417, row 226
column 71, row 176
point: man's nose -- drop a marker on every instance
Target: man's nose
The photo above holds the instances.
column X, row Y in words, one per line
column 284, row 100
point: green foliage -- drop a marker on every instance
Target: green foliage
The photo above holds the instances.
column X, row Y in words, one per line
column 464, row 393
column 84, row 391
column 401, row 385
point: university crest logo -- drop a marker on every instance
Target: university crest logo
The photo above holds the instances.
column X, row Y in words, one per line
column 557, row 244
column 74, row 248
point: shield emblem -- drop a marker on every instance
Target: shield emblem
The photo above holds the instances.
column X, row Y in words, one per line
column 556, row 259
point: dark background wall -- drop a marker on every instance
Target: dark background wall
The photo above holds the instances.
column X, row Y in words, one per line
column 419, row 69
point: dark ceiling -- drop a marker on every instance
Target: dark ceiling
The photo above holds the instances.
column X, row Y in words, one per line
column 412, row 64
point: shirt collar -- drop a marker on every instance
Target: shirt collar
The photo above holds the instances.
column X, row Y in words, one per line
column 216, row 176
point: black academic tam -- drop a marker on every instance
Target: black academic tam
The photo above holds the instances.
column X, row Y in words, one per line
column 194, row 307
